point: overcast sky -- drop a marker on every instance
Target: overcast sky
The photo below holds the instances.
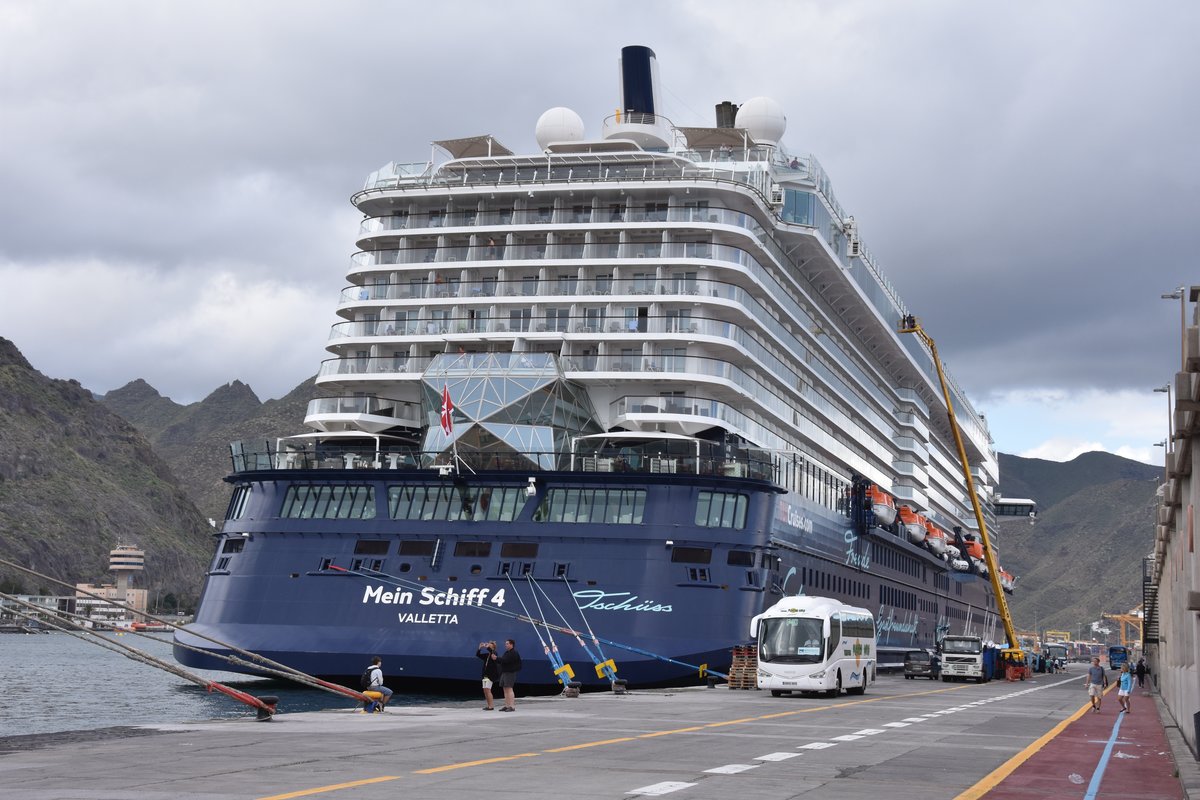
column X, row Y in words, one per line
column 176, row 177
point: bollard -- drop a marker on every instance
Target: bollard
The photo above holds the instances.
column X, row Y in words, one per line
column 265, row 714
column 618, row 686
column 572, row 689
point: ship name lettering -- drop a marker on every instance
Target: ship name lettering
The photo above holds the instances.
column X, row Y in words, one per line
column 594, row 598
column 465, row 597
column 797, row 520
column 887, row 623
column 378, row 594
column 429, row 619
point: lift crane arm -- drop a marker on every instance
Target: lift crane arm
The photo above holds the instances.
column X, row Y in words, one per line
column 910, row 324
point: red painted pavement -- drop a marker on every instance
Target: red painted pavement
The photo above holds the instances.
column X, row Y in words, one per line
column 1140, row 766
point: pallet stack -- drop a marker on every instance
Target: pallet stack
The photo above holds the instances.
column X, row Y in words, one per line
column 743, row 674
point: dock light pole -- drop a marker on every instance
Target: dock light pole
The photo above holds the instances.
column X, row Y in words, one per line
column 1178, row 294
column 1166, row 387
column 1163, row 445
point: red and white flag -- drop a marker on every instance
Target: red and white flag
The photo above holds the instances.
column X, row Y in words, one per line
column 447, row 410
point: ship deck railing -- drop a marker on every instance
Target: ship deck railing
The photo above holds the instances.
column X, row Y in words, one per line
column 267, row 456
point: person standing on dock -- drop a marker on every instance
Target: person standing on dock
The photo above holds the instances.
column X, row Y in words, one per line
column 510, row 665
column 376, row 685
column 491, row 671
column 1096, row 683
column 1141, row 672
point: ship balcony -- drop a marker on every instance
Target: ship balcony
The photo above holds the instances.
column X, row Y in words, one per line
column 914, row 472
column 910, row 495
column 907, row 444
column 370, row 414
column 650, row 131
column 916, row 426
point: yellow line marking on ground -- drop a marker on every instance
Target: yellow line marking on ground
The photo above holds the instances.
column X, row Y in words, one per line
column 465, row 764
column 668, row 733
column 991, row 780
column 331, row 788
column 590, row 744
column 729, row 722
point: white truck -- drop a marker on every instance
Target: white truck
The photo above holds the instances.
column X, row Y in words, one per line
column 962, row 658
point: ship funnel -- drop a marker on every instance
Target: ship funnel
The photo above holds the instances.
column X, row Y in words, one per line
column 639, row 118
column 639, row 80
column 726, row 114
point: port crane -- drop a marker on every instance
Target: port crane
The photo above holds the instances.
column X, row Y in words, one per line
column 910, row 324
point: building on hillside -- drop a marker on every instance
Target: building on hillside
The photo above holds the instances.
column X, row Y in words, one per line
column 1171, row 574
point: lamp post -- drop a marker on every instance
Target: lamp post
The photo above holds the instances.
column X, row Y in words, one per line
column 1178, row 294
column 1163, row 445
column 1166, row 387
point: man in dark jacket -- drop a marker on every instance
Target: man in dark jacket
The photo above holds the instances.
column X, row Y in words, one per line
column 510, row 665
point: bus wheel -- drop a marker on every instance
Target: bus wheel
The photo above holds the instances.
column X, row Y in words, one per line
column 837, row 687
column 860, row 689
column 776, row 693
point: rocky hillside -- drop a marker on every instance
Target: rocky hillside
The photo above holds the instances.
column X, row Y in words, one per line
column 1084, row 555
column 76, row 480
column 194, row 439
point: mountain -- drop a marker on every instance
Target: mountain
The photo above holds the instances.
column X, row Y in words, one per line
column 1083, row 557
column 76, row 480
column 194, row 439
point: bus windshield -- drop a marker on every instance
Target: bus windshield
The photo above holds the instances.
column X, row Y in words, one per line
column 792, row 640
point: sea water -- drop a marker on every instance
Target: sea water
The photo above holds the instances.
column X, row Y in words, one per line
column 56, row 682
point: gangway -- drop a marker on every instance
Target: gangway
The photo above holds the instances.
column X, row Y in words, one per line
column 910, row 324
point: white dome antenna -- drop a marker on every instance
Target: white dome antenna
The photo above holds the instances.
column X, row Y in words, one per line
column 559, row 124
column 764, row 119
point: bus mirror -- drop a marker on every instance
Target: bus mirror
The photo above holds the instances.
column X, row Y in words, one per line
column 826, row 628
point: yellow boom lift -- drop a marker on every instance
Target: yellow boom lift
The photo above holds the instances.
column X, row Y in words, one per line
column 1014, row 653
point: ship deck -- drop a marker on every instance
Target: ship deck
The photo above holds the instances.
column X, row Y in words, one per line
column 902, row 740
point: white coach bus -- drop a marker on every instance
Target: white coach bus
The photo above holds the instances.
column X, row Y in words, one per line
column 814, row 644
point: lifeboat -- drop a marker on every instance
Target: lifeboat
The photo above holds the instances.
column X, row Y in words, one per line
column 960, row 564
column 974, row 548
column 935, row 538
column 882, row 504
column 914, row 524
column 1006, row 580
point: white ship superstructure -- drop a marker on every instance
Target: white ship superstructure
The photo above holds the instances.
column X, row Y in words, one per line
column 697, row 281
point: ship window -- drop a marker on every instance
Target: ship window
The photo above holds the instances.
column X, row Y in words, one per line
column 222, row 564
column 449, row 503
column 417, row 548
column 519, row 550
column 473, row 549
column 611, row 506
column 698, row 574
column 691, row 555
column 740, row 558
column 721, row 510
column 329, row 502
column 237, row 503
column 370, row 547
column 233, row 545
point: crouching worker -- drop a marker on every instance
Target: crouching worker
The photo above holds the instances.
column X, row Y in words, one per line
column 372, row 680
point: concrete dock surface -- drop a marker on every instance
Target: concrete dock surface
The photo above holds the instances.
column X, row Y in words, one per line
column 903, row 739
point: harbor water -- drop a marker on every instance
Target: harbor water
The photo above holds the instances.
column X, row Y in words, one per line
column 55, row 682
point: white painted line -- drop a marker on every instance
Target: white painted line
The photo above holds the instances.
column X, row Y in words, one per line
column 849, row 737
column 896, row 724
column 869, row 732
column 816, row 745
column 732, row 769
column 914, row 719
column 658, row 789
column 777, row 756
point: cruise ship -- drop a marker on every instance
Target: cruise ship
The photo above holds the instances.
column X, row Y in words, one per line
column 610, row 399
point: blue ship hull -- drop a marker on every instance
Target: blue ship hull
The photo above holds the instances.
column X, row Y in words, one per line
column 666, row 599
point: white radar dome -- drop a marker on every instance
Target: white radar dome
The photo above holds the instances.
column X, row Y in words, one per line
column 558, row 125
column 763, row 118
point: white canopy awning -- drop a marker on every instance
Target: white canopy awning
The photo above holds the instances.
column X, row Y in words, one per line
column 474, row 147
